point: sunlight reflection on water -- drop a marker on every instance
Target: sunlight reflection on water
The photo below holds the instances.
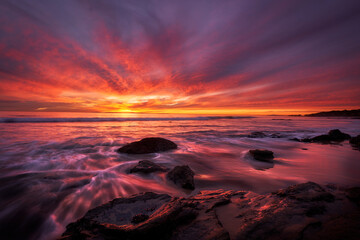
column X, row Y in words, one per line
column 52, row 173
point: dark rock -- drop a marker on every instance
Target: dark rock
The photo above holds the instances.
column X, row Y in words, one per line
column 334, row 135
column 138, row 218
column 148, row 145
column 315, row 210
column 112, row 220
column 146, row 166
column 306, row 192
column 182, row 176
column 337, row 135
column 321, row 138
column 354, row 194
column 257, row 135
column 262, row 155
column 276, row 135
column 355, row 141
column 223, row 215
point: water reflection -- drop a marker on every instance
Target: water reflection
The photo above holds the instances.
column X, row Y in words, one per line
column 52, row 173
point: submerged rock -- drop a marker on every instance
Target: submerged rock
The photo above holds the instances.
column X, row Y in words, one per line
column 257, row 135
column 146, row 166
column 334, row 135
column 262, row 155
column 297, row 212
column 148, row 145
column 182, row 176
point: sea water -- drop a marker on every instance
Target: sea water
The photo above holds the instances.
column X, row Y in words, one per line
column 54, row 167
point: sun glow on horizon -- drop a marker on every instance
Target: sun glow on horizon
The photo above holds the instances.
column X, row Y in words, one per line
column 198, row 62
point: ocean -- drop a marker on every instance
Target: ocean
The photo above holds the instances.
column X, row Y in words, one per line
column 54, row 167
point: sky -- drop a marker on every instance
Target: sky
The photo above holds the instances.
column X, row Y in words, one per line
column 201, row 57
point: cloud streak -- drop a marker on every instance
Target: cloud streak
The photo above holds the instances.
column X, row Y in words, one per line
column 179, row 56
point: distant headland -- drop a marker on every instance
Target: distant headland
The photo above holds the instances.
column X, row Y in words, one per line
column 343, row 113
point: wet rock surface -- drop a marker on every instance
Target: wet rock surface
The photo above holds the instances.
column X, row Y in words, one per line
column 146, row 166
column 182, row 176
column 334, row 135
column 148, row 145
column 302, row 211
column 262, row 155
column 263, row 135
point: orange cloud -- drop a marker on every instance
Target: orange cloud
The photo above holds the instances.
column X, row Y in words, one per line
column 207, row 61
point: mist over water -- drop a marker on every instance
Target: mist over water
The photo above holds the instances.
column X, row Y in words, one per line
column 52, row 173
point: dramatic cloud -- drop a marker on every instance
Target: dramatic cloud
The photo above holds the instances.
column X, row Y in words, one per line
column 179, row 56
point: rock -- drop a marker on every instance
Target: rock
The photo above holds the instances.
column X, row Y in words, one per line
column 182, row 176
column 355, row 141
column 353, row 194
column 337, row 135
column 146, row 166
column 334, row 135
column 223, row 215
column 262, row 155
column 276, row 135
column 148, row 145
column 257, row 135
column 138, row 218
column 306, row 192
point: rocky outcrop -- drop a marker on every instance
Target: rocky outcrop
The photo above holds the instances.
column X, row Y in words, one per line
column 182, row 176
column 334, row 135
column 303, row 211
column 148, row 145
column 262, row 155
column 146, row 166
column 343, row 113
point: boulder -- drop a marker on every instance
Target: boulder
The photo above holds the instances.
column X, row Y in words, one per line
column 146, row 166
column 148, row 145
column 337, row 135
column 302, row 211
column 262, row 155
column 182, row 176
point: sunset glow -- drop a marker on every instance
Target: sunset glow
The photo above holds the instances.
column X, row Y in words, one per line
column 236, row 57
column 179, row 119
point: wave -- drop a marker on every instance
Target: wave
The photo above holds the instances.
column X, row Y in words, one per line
column 55, row 120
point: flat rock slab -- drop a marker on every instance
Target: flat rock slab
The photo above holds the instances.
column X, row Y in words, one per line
column 262, row 155
column 146, row 166
column 303, row 211
column 148, row 145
